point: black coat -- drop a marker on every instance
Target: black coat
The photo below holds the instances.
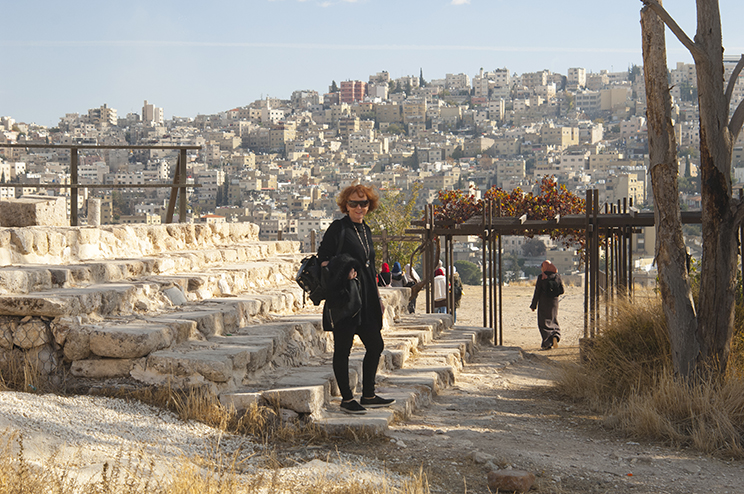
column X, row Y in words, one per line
column 370, row 315
column 545, row 303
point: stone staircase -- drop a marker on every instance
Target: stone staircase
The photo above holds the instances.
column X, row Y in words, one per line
column 213, row 306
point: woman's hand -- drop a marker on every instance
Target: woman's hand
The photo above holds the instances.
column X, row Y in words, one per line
column 324, row 263
column 352, row 274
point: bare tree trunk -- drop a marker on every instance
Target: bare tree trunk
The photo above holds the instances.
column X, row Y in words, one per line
column 718, row 274
column 670, row 247
column 721, row 214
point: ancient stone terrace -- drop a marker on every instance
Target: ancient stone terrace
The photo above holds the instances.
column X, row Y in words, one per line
column 205, row 305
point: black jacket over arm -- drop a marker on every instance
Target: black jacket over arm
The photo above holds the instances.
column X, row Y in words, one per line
column 371, row 313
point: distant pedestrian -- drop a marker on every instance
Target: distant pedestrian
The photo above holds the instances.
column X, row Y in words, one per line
column 548, row 288
column 412, row 278
column 397, row 276
column 384, row 278
column 440, row 291
column 457, row 288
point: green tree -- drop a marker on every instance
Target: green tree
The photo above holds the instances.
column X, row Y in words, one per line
column 533, row 247
column 470, row 273
column 422, row 82
column 457, row 153
column 394, row 214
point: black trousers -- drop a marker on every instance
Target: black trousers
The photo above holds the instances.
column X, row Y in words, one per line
column 343, row 339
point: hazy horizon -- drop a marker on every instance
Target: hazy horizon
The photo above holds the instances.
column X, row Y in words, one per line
column 193, row 58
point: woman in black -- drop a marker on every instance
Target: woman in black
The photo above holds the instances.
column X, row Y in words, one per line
column 547, row 289
column 355, row 306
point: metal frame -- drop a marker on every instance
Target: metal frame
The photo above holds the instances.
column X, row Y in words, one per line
column 179, row 178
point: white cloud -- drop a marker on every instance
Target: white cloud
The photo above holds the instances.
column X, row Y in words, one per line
column 460, row 2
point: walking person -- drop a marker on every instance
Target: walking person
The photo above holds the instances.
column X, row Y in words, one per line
column 355, row 306
column 548, row 288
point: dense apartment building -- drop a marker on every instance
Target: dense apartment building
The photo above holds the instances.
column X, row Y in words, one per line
column 351, row 91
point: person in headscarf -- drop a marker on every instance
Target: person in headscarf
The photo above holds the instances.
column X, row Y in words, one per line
column 548, row 288
column 440, row 291
column 397, row 276
column 384, row 278
column 412, row 278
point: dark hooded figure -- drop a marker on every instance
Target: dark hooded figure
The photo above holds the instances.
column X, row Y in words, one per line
column 547, row 290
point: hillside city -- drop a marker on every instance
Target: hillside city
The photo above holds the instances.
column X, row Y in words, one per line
column 280, row 163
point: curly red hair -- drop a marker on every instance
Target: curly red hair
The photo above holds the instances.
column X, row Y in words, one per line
column 361, row 190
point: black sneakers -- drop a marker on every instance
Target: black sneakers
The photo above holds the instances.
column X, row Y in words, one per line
column 377, row 402
column 353, row 407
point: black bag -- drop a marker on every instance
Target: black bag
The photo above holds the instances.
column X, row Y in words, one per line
column 309, row 274
column 555, row 287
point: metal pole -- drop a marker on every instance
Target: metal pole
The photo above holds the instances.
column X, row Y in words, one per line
column 484, row 267
column 501, row 286
column 74, row 190
column 587, row 242
column 182, row 191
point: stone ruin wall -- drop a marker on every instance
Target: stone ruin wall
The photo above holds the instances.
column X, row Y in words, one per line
column 30, row 258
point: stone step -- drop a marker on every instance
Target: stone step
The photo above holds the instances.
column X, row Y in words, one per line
column 435, row 354
column 237, row 265
column 105, row 300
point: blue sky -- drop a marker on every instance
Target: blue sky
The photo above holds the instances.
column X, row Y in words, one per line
column 204, row 57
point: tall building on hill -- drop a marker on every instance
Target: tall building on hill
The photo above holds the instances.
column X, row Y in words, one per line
column 152, row 115
column 352, row 91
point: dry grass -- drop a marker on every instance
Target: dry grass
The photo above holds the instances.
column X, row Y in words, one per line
column 628, row 376
column 133, row 473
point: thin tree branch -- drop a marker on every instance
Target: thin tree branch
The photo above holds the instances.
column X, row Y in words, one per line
column 732, row 80
column 737, row 119
column 695, row 50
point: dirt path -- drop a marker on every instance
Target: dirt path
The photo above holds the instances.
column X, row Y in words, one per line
column 510, row 418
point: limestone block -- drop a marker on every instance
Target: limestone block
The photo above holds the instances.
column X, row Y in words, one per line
column 176, row 231
column 34, row 210
column 131, row 341
column 157, row 235
column 240, row 401
column 175, row 295
column 41, row 242
column 109, row 245
column 77, row 344
column 89, row 235
column 13, row 281
column 6, row 256
column 307, row 399
column 56, row 242
column 22, row 240
column 5, row 238
column 87, row 252
column 213, row 366
column 31, row 334
column 61, row 327
column 102, row 368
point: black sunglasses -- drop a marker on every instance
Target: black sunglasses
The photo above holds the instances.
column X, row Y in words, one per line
column 355, row 204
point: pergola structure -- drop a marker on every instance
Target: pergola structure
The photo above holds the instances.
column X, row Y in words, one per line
column 607, row 230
